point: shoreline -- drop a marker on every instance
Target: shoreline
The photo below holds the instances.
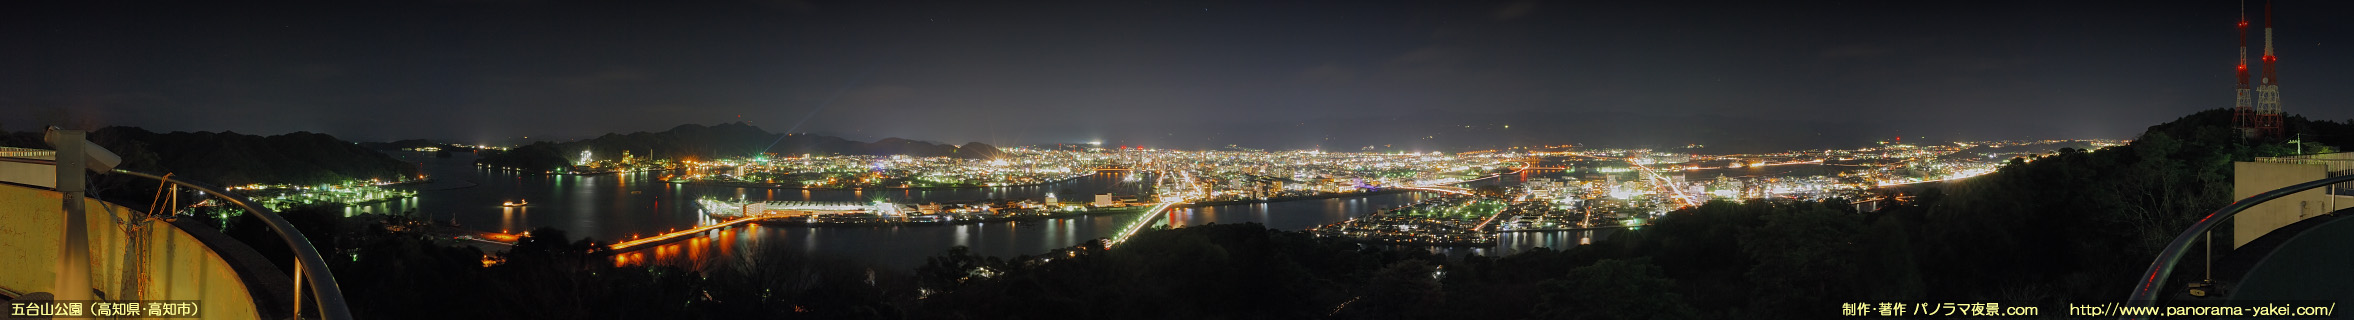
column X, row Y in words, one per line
column 1120, row 210
column 785, row 187
column 806, row 224
column 1296, row 198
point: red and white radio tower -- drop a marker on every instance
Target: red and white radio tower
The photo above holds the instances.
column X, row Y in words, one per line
column 2268, row 115
column 2243, row 112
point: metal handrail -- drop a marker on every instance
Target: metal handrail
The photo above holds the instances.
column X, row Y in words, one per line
column 2146, row 295
column 322, row 282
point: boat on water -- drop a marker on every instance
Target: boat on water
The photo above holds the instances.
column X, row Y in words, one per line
column 525, row 202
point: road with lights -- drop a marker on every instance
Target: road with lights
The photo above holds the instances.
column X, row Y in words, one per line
column 675, row 235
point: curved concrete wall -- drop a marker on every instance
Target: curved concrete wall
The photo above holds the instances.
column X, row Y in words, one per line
column 178, row 266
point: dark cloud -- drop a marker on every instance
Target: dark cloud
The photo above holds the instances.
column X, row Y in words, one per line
column 1515, row 10
column 794, row 6
column 1329, row 73
column 1855, row 51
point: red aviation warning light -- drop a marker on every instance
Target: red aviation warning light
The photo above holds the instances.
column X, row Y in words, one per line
column 2268, row 58
column 2267, row 115
column 2243, row 108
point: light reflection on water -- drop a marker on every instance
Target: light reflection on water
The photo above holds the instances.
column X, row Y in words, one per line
column 618, row 206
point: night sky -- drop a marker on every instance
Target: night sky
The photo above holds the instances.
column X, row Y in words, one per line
column 1336, row 75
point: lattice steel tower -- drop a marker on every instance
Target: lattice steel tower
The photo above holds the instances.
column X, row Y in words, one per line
column 2243, row 112
column 2268, row 115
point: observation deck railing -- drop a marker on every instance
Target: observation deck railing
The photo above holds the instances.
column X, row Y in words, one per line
column 309, row 268
column 2154, row 280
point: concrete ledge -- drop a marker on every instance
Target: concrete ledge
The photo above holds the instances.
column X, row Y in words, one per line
column 271, row 287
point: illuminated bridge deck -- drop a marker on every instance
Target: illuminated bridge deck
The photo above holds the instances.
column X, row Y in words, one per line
column 681, row 234
column 732, row 214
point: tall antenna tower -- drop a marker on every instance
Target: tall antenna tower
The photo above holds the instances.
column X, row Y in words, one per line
column 2268, row 115
column 2243, row 112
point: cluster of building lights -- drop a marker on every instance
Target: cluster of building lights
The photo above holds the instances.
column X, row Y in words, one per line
column 283, row 196
column 1682, row 179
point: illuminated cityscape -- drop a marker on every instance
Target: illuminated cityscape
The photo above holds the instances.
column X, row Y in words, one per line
column 281, row 196
column 1175, row 159
column 1590, row 189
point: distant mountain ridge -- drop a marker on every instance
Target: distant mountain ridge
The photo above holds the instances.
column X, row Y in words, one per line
column 230, row 158
column 694, row 141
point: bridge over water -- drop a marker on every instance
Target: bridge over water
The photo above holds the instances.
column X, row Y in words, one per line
column 730, row 214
